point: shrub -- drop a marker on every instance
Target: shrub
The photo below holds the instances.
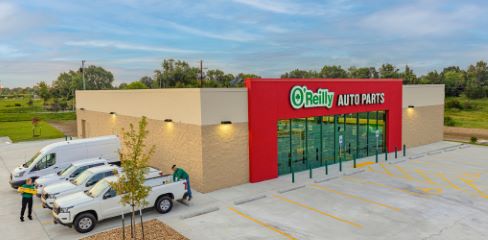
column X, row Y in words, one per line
column 18, row 105
column 448, row 121
column 454, row 103
column 474, row 139
column 468, row 105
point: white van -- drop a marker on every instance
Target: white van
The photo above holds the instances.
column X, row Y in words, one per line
column 58, row 156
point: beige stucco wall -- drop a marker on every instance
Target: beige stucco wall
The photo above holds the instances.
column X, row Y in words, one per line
column 424, row 123
column 225, row 155
column 215, row 156
column 204, row 106
column 176, row 143
column 423, row 95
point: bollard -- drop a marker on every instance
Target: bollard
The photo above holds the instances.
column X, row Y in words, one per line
column 292, row 176
column 396, row 152
column 326, row 168
column 65, row 138
column 354, row 159
column 340, row 164
column 376, row 155
column 404, row 150
column 386, row 155
column 310, row 172
column 70, row 137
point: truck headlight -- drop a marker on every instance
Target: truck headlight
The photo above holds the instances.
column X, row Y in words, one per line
column 65, row 209
column 19, row 174
column 52, row 195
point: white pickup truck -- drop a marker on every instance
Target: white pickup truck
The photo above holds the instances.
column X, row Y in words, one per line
column 83, row 182
column 84, row 209
column 71, row 172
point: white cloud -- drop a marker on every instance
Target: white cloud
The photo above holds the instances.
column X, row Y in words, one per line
column 9, row 52
column 125, row 46
column 229, row 36
column 298, row 7
column 422, row 19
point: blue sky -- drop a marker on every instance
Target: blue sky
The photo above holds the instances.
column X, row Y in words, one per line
column 40, row 39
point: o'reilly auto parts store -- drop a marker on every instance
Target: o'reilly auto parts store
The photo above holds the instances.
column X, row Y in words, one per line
column 229, row 136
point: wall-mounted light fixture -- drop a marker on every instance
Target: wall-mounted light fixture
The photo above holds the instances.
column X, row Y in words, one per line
column 82, row 109
column 225, row 122
column 113, row 113
column 411, row 106
column 168, row 120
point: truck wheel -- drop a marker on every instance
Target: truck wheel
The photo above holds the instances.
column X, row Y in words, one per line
column 85, row 222
column 164, row 204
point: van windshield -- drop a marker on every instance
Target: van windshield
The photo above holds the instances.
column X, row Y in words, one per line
column 81, row 178
column 67, row 171
column 98, row 189
column 29, row 163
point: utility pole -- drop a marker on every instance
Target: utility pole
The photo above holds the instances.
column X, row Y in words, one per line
column 83, row 73
column 201, row 73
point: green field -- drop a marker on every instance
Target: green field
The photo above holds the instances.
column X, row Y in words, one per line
column 470, row 113
column 22, row 131
column 16, row 119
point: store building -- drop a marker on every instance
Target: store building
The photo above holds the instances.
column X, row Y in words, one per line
column 225, row 137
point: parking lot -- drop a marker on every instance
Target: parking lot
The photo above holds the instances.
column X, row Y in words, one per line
column 441, row 194
column 439, row 191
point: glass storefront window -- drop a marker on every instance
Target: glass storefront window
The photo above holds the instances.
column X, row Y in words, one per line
column 311, row 142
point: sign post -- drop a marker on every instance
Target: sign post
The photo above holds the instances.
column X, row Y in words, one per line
column 341, row 141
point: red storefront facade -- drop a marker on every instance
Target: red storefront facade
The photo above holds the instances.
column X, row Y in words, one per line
column 271, row 100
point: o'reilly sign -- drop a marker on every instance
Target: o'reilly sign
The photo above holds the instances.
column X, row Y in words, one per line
column 302, row 97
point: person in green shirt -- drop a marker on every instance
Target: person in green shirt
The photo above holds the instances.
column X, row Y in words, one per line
column 27, row 200
column 178, row 174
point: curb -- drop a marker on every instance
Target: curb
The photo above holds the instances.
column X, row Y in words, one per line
column 248, row 200
column 199, row 213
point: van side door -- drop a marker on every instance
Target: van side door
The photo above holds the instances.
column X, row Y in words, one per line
column 44, row 166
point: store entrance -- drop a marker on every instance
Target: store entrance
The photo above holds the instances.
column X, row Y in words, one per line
column 305, row 143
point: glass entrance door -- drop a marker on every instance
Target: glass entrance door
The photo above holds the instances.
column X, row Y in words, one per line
column 298, row 156
column 313, row 133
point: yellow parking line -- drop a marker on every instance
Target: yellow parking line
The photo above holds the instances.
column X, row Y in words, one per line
column 351, row 178
column 288, row 236
column 451, row 184
column 364, row 164
column 404, row 172
column 473, row 186
column 357, row 225
column 323, row 188
column 425, row 176
column 388, row 172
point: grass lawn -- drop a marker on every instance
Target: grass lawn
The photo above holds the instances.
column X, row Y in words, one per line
column 473, row 118
column 22, row 131
column 13, row 110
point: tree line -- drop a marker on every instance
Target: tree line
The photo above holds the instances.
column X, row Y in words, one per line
column 471, row 81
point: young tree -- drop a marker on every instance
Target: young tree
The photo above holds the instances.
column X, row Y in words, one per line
column 134, row 157
column 43, row 92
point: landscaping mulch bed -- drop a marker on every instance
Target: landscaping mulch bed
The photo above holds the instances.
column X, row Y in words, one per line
column 153, row 230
